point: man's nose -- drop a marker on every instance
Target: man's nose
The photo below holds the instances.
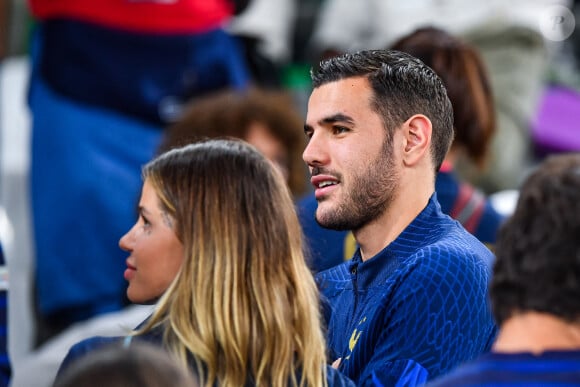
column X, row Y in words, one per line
column 315, row 153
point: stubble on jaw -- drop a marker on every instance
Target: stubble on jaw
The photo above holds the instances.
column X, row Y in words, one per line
column 370, row 195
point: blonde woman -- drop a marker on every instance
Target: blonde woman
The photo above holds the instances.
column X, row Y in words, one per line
column 218, row 246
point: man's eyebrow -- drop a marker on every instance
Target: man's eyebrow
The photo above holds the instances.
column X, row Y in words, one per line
column 338, row 117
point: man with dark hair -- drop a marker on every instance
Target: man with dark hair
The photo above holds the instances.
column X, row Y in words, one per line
column 411, row 304
column 535, row 290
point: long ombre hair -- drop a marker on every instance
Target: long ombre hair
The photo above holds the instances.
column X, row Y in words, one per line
column 244, row 308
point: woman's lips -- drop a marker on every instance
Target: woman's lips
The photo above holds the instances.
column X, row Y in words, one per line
column 129, row 272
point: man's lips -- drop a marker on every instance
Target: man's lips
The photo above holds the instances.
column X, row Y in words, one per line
column 323, row 185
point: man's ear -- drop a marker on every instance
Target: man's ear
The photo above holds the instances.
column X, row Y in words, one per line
column 417, row 132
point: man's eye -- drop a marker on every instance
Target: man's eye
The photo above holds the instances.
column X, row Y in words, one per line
column 340, row 129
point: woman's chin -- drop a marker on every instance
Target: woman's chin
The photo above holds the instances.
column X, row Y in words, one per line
column 141, row 299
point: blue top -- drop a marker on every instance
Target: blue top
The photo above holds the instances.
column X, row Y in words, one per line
column 85, row 347
column 554, row 368
column 415, row 310
column 329, row 248
column 5, row 368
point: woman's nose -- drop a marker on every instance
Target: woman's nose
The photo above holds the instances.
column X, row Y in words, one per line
column 126, row 241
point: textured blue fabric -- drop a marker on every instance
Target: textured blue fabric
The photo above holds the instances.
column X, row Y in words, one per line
column 85, row 347
column 85, row 182
column 326, row 246
column 143, row 75
column 552, row 368
column 422, row 299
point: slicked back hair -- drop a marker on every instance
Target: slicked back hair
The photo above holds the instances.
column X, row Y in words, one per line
column 402, row 86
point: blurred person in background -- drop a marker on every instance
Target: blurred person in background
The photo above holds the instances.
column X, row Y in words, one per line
column 139, row 365
column 267, row 119
column 106, row 79
column 266, row 29
column 535, row 287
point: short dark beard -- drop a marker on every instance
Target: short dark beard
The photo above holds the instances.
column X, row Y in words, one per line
column 370, row 196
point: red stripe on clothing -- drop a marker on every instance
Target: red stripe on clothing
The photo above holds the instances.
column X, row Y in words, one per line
column 468, row 207
column 473, row 221
column 465, row 192
column 169, row 17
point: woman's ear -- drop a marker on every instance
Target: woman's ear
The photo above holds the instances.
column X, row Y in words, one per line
column 417, row 132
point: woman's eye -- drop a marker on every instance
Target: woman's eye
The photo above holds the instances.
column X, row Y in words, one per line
column 145, row 221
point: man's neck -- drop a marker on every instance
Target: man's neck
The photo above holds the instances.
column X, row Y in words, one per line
column 536, row 333
column 404, row 208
